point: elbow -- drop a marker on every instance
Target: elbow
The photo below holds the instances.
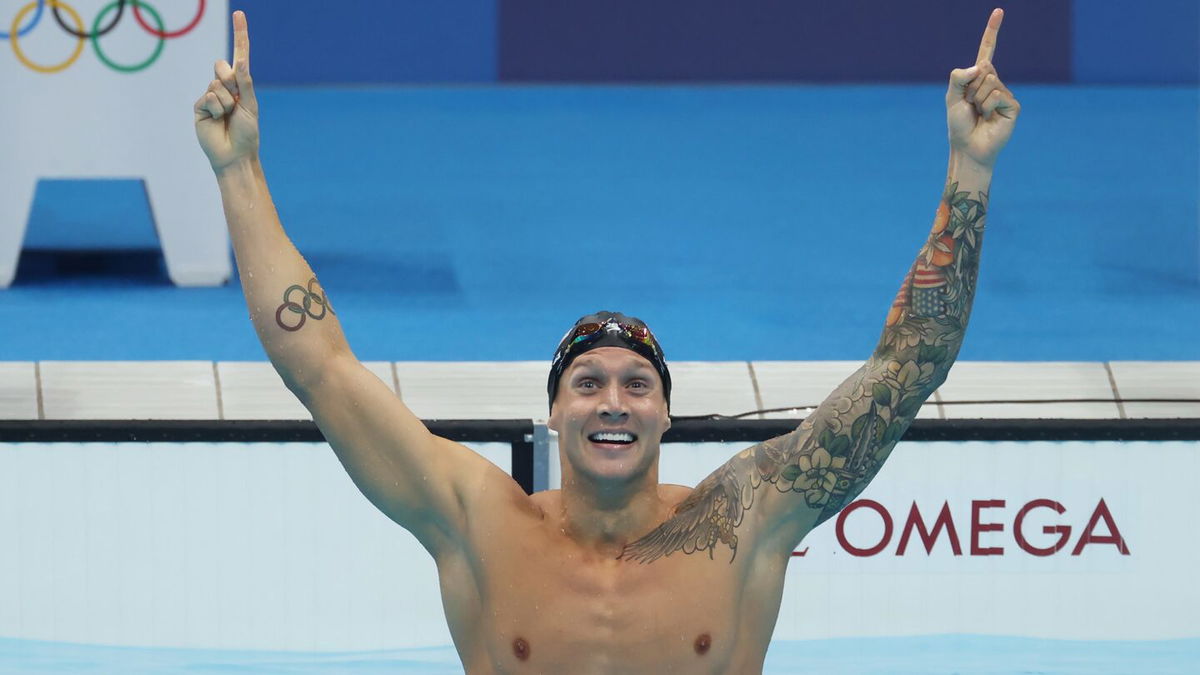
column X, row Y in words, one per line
column 305, row 375
column 297, row 381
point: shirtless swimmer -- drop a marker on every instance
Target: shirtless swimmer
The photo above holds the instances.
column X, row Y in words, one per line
column 615, row 572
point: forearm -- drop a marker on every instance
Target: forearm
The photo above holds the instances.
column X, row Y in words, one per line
column 854, row 430
column 930, row 313
column 841, row 446
column 289, row 309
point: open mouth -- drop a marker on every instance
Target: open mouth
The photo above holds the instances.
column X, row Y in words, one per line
column 614, row 439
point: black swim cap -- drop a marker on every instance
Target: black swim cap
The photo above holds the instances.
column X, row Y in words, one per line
column 607, row 329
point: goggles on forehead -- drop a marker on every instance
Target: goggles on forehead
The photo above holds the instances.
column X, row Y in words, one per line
column 594, row 330
column 609, row 332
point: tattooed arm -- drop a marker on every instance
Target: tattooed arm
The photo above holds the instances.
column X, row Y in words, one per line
column 415, row 478
column 294, row 321
column 777, row 491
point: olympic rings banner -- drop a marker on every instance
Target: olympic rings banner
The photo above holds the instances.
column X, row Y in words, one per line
column 104, row 89
column 61, row 17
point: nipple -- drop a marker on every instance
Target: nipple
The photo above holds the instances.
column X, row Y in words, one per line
column 703, row 643
column 521, row 649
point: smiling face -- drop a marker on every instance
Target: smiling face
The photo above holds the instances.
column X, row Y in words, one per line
column 610, row 414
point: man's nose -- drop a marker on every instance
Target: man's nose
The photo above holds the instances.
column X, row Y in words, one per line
column 613, row 405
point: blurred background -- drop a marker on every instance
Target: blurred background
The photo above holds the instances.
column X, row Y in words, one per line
column 751, row 178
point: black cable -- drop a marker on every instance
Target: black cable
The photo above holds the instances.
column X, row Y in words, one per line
column 718, row 416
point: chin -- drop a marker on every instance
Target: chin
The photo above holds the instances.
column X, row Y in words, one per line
column 628, row 468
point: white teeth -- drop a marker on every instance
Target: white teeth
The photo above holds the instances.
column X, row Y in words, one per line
column 611, row 437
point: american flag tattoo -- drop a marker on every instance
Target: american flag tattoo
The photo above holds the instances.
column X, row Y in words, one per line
column 927, row 284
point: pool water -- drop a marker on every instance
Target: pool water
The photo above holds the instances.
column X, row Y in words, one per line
column 966, row 654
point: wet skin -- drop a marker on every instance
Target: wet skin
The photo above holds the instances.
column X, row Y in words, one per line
column 537, row 583
column 522, row 596
column 614, row 573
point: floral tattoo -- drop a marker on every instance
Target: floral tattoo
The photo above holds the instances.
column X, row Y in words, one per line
column 836, row 452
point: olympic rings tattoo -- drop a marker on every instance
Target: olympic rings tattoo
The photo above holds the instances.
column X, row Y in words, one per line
column 57, row 7
column 304, row 309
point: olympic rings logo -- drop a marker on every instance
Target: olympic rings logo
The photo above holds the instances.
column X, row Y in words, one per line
column 304, row 309
column 58, row 7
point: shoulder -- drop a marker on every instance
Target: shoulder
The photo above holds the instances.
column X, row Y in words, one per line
column 672, row 494
column 544, row 502
column 492, row 505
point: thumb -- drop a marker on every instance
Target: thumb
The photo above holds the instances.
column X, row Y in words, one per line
column 960, row 79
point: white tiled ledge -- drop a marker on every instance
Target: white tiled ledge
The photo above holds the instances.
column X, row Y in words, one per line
column 204, row 390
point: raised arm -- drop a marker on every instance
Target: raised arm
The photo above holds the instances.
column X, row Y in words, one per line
column 415, row 478
column 780, row 489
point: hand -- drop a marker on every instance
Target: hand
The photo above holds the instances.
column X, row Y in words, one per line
column 227, row 114
column 980, row 111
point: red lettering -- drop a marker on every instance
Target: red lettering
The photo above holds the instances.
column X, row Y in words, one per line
column 887, row 527
column 801, row 554
column 1113, row 536
column 978, row 505
column 1064, row 531
column 944, row 520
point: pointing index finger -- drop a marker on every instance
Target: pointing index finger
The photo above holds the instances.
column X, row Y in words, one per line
column 241, row 41
column 987, row 46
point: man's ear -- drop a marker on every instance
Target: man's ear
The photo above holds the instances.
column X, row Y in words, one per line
column 552, row 421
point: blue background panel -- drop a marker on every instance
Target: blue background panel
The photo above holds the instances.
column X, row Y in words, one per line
column 358, row 41
column 408, row 41
column 775, row 40
column 741, row 222
column 1147, row 41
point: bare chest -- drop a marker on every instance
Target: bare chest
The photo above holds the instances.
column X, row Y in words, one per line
column 539, row 608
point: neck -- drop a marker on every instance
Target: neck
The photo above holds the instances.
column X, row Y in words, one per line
column 604, row 518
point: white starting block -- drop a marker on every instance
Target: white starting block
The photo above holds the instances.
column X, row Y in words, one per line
column 115, row 106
